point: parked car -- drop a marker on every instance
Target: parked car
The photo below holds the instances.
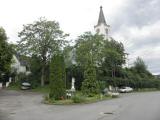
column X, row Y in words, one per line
column 25, row 86
column 125, row 89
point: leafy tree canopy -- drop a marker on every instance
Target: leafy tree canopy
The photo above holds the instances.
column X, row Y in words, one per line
column 89, row 46
column 140, row 68
column 5, row 53
column 57, row 77
column 42, row 38
column 107, row 55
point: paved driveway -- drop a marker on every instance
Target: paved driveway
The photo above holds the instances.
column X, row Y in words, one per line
column 28, row 106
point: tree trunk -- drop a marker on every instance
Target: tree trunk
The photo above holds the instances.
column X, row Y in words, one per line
column 42, row 75
column 44, row 61
column 43, row 68
column 112, row 73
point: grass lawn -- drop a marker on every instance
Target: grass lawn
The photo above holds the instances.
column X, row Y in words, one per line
column 14, row 86
column 78, row 99
column 40, row 89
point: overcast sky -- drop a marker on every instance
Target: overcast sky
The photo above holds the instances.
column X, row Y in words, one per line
column 136, row 23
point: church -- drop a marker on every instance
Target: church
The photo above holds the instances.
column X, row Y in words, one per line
column 102, row 28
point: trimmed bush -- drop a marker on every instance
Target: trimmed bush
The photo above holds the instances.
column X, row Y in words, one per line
column 57, row 78
column 78, row 99
column 90, row 85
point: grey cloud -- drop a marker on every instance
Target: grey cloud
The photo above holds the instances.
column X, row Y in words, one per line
column 145, row 16
column 153, row 65
column 137, row 13
column 146, row 42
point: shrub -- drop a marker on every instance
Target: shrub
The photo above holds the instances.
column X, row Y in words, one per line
column 15, row 85
column 78, row 99
column 90, row 85
column 115, row 96
column 57, row 78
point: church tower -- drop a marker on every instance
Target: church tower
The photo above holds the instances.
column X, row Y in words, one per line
column 102, row 28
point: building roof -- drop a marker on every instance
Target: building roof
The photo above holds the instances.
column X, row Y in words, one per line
column 101, row 18
column 22, row 61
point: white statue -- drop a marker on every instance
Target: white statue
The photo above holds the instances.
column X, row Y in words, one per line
column 73, row 86
column 110, row 88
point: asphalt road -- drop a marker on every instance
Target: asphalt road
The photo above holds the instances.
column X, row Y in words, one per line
column 28, row 106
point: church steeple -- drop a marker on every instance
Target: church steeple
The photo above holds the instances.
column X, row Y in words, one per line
column 101, row 19
column 102, row 28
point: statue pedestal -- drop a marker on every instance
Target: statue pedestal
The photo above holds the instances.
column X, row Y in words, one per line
column 72, row 91
column 73, row 86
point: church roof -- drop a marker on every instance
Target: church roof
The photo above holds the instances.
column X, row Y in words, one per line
column 101, row 18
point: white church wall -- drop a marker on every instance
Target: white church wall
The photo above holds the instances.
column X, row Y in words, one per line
column 102, row 30
column 21, row 69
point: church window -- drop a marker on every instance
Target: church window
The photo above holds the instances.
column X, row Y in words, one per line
column 97, row 30
column 106, row 30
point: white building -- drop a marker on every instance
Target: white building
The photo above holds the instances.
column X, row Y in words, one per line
column 17, row 66
column 102, row 28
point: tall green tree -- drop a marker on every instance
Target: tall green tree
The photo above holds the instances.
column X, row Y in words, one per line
column 68, row 52
column 140, row 66
column 90, row 85
column 108, row 55
column 42, row 38
column 89, row 45
column 5, row 53
column 113, row 57
column 35, row 68
column 89, row 57
column 57, row 77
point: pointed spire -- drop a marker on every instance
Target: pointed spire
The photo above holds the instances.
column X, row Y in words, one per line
column 101, row 17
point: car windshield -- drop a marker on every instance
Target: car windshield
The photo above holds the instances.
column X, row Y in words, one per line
column 124, row 87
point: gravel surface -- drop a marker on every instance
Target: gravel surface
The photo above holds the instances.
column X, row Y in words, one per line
column 28, row 106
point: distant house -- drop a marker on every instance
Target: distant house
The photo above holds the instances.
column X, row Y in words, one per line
column 18, row 66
